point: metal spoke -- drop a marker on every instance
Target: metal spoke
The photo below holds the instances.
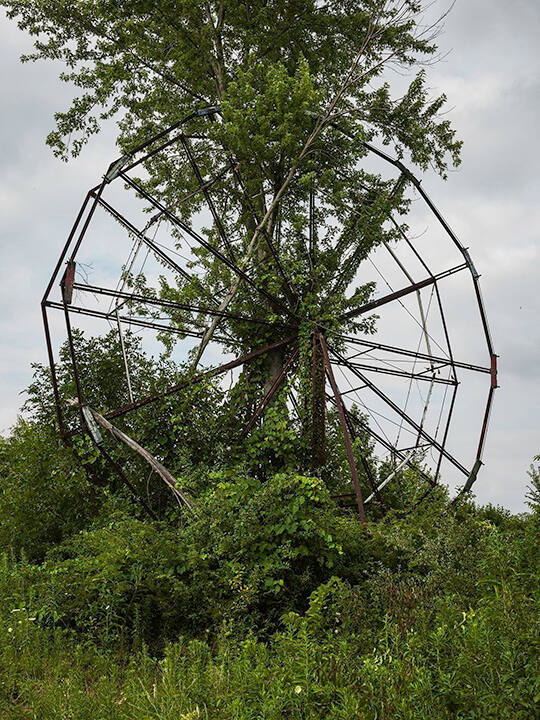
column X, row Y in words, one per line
column 402, row 414
column 398, row 373
column 344, row 427
column 143, row 299
column 199, row 377
column 399, row 453
column 411, row 353
column 139, row 322
column 373, row 304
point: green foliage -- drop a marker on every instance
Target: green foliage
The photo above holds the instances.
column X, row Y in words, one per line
column 533, row 494
column 182, row 431
column 274, row 122
column 153, row 61
column 384, row 648
column 258, row 548
column 253, row 551
column 44, row 496
column 271, row 601
column 116, row 583
column 274, row 70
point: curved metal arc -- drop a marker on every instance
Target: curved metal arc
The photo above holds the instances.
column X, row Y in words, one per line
column 68, row 243
column 462, row 249
column 203, row 112
column 476, row 284
column 96, row 196
column 417, row 184
column 485, row 423
column 97, row 190
column 52, row 366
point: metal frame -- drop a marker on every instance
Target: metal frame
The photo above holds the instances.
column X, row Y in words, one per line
column 326, row 355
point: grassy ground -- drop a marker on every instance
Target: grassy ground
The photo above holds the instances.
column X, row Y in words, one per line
column 387, row 650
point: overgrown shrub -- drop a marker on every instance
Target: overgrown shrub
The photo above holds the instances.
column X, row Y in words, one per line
column 44, row 495
column 465, row 663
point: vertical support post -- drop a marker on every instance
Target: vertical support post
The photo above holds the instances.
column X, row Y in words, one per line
column 365, row 465
column 345, row 429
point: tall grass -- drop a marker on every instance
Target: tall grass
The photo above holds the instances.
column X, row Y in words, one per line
column 456, row 663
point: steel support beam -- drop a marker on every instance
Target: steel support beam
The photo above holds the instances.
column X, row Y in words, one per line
column 344, row 427
column 173, row 305
column 207, row 246
column 199, row 377
column 373, row 304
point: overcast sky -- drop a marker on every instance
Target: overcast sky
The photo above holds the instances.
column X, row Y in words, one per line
column 492, row 79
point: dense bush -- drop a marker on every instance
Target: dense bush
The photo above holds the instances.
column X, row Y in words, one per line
column 270, row 601
column 44, row 495
column 253, row 551
column 115, row 583
column 450, row 662
column 284, row 607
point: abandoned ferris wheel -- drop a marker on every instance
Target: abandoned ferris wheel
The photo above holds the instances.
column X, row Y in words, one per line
column 397, row 379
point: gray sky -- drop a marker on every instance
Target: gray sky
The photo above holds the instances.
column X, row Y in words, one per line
column 492, row 79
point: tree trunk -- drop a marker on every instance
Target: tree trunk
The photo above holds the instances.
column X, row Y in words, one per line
column 318, row 408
